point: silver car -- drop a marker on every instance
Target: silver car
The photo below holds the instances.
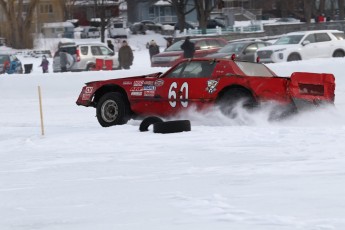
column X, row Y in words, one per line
column 83, row 57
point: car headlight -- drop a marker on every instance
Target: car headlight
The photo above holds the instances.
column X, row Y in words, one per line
column 279, row 50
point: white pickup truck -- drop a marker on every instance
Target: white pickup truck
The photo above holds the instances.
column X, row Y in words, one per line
column 304, row 45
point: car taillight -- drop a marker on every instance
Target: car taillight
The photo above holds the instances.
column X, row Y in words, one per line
column 77, row 52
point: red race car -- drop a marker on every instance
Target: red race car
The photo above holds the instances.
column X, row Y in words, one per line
column 203, row 82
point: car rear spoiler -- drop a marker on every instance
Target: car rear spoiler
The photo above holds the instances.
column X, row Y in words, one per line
column 315, row 88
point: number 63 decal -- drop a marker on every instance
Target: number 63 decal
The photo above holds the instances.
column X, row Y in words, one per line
column 182, row 94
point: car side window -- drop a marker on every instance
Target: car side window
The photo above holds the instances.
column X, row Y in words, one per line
column 322, row 37
column 311, row 38
column 104, row 50
column 198, row 69
column 213, row 44
column 251, row 49
column 177, row 71
column 84, row 50
column 95, row 50
column 260, row 45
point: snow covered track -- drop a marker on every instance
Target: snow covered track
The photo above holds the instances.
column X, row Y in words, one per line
column 222, row 175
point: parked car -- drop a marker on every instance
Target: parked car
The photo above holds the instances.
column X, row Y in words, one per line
column 174, row 53
column 88, row 32
column 151, row 25
column 83, row 57
column 10, row 64
column 214, row 23
column 243, row 50
column 138, row 28
column 201, row 83
column 187, row 26
column 117, row 29
column 304, row 45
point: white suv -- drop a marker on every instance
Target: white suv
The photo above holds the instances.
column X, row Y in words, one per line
column 304, row 45
column 83, row 57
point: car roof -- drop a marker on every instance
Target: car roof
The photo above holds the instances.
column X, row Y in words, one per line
column 313, row 31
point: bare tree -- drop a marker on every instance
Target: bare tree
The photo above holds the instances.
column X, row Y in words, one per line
column 203, row 9
column 67, row 7
column 341, row 9
column 308, row 6
column 19, row 34
column 181, row 7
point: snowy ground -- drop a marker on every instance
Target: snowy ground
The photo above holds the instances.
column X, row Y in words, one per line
column 224, row 174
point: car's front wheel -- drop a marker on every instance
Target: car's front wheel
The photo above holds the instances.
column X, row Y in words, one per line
column 294, row 57
column 338, row 53
column 112, row 109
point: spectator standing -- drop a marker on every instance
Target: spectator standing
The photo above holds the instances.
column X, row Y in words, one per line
column 153, row 49
column 125, row 56
column 188, row 48
column 63, row 60
column 44, row 64
column 110, row 45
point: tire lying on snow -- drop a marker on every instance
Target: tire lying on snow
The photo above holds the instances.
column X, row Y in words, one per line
column 172, row 126
column 144, row 125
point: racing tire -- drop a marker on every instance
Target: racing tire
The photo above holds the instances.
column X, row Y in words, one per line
column 172, row 126
column 294, row 57
column 112, row 109
column 144, row 125
column 234, row 97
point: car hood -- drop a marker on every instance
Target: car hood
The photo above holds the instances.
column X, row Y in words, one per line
column 279, row 47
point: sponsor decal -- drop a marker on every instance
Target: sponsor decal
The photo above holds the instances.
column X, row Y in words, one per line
column 211, row 86
column 149, row 87
column 138, row 83
column 149, row 93
column 86, row 96
column 148, row 82
column 127, row 83
column 159, row 82
column 136, row 93
column 88, row 89
column 136, row 89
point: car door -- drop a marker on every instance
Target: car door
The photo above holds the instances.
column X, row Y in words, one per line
column 249, row 52
column 324, row 43
column 183, row 87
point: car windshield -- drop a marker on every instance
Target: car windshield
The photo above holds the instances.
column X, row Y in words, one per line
column 232, row 48
column 3, row 58
column 289, row 40
column 254, row 69
column 176, row 46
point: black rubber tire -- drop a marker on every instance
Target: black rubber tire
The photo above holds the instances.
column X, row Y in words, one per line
column 234, row 96
column 172, row 126
column 90, row 67
column 338, row 53
column 112, row 110
column 144, row 125
column 294, row 57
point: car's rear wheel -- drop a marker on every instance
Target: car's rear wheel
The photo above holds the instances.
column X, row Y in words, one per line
column 294, row 57
column 112, row 109
column 338, row 53
column 236, row 98
column 90, row 67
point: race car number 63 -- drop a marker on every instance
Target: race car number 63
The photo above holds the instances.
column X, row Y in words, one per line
column 182, row 93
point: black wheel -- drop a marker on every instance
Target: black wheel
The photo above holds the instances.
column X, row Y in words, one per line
column 338, row 53
column 89, row 67
column 172, row 126
column 144, row 125
column 294, row 57
column 112, row 110
column 236, row 97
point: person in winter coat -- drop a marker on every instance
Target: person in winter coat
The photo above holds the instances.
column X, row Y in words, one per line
column 125, row 56
column 63, row 60
column 188, row 48
column 153, row 49
column 44, row 64
column 110, row 45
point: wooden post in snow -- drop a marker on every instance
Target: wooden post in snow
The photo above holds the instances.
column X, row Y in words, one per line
column 41, row 111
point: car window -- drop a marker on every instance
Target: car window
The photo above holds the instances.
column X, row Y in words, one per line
column 260, row 45
column 289, row 39
column 104, row 50
column 95, row 50
column 254, row 69
column 84, row 50
column 193, row 70
column 311, row 38
column 322, row 37
column 3, row 59
column 214, row 44
column 203, row 45
column 339, row 36
column 176, row 46
column 232, row 48
column 69, row 49
column 251, row 49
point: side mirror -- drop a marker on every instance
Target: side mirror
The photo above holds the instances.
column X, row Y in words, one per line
column 306, row 42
